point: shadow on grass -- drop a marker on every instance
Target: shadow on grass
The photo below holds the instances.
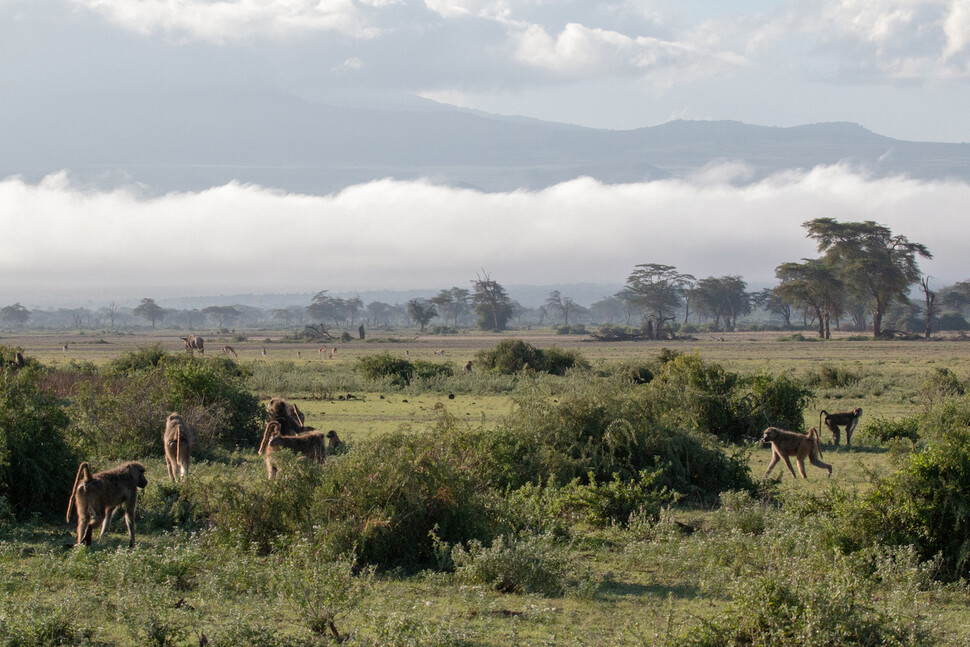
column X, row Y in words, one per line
column 855, row 449
column 681, row 591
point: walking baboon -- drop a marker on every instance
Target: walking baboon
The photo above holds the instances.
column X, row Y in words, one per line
column 177, row 439
column 229, row 349
column 467, row 368
column 194, row 343
column 847, row 419
column 312, row 444
column 333, row 441
column 289, row 417
column 791, row 443
column 97, row 497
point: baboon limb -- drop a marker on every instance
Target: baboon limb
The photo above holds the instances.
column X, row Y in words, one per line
column 791, row 443
column 847, row 419
column 97, row 497
column 178, row 440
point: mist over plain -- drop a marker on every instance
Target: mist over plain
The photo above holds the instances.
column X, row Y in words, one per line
column 75, row 244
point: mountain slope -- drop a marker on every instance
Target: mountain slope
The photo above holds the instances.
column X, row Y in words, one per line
column 193, row 141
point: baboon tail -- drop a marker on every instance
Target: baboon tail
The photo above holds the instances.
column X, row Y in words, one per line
column 85, row 469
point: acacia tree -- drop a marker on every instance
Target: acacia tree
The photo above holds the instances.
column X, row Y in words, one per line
column 658, row 290
column 491, row 303
column 221, row 314
column 562, row 305
column 150, row 311
column 773, row 303
column 421, row 312
column 326, row 307
column 452, row 303
column 877, row 266
column 722, row 298
column 814, row 286
column 15, row 314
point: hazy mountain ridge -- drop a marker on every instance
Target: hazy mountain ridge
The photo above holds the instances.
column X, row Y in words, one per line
column 194, row 141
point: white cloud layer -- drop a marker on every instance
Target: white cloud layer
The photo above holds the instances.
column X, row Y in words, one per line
column 400, row 235
column 230, row 20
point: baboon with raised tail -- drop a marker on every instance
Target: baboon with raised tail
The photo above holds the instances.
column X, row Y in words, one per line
column 97, row 497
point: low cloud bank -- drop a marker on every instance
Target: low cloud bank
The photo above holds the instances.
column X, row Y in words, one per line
column 78, row 244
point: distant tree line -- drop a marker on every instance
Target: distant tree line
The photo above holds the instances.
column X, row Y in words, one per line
column 864, row 279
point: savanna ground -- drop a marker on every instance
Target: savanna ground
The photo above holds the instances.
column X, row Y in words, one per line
column 661, row 579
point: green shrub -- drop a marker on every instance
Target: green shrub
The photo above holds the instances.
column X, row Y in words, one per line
column 528, row 564
column 121, row 414
column 611, row 428
column 382, row 366
column 511, row 356
column 883, row 430
column 136, row 361
column 688, row 392
column 785, row 612
column 37, row 466
column 320, row 589
column 259, row 512
column 941, row 383
column 925, row 504
column 635, row 373
column 430, row 370
column 556, row 361
column 832, row 377
column 615, row 501
column 383, row 500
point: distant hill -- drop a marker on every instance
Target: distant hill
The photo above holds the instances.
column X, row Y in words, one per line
column 194, row 141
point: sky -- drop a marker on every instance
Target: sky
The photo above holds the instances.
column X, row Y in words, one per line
column 900, row 68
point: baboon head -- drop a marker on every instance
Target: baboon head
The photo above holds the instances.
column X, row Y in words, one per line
column 137, row 471
column 770, row 434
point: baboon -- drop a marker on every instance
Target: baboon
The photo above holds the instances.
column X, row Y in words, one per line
column 177, row 439
column 467, row 368
column 19, row 361
column 289, row 417
column 65, row 347
column 791, row 443
column 311, row 444
column 97, row 497
column 264, row 351
column 847, row 419
column 229, row 349
column 194, row 343
column 333, row 441
column 333, row 352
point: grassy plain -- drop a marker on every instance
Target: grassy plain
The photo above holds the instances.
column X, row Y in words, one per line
column 645, row 585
